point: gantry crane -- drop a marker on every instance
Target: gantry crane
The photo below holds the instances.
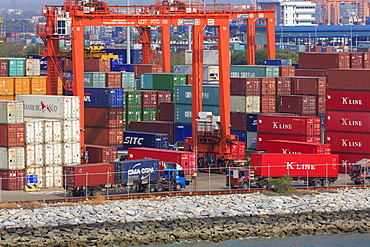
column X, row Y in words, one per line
column 68, row 22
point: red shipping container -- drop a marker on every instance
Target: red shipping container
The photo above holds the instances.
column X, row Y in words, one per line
column 146, row 68
column 166, row 111
column 283, row 85
column 268, row 104
column 311, row 72
column 309, row 85
column 90, row 174
column 296, row 147
column 296, row 165
column 344, row 100
column 348, row 142
column 189, row 79
column 346, row 160
column 238, row 121
column 98, row 65
column 12, row 179
column 149, row 99
column 287, row 70
column 164, row 127
column 164, row 96
column 104, row 117
column 113, row 79
column 321, row 104
column 366, row 60
column 348, row 79
column 245, row 86
column 3, row 67
column 348, row 121
column 101, row 154
column 187, row 160
column 12, row 135
column 112, row 137
column 299, row 104
column 324, row 60
column 356, row 59
column 262, row 139
column 268, row 86
column 238, row 150
column 288, row 125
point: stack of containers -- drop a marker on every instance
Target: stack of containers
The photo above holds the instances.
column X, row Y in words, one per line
column 149, row 105
column 133, row 107
column 52, row 136
column 283, row 127
column 12, row 153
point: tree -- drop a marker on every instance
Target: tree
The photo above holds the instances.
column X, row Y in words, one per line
column 239, row 57
column 10, row 49
column 281, row 185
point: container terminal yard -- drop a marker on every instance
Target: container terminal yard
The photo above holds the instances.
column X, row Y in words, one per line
column 119, row 121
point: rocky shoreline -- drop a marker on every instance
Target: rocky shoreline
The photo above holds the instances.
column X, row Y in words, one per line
column 187, row 219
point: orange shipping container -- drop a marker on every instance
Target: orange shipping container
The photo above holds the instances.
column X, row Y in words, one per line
column 6, row 85
column 60, row 87
column 7, row 97
column 21, row 85
column 38, row 85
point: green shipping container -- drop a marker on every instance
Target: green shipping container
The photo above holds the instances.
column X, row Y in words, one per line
column 133, row 99
column 254, row 71
column 146, row 81
column 149, row 114
column 16, row 67
column 128, row 81
column 94, row 79
column 183, row 113
column 132, row 114
column 167, row 81
column 183, row 94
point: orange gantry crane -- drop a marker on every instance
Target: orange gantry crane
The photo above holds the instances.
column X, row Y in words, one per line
column 68, row 22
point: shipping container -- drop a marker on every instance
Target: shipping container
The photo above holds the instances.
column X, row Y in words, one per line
column 345, row 100
column 182, row 131
column 366, row 60
column 53, row 177
column 95, row 65
column 268, row 103
column 7, row 85
column 253, row 71
column 32, row 67
column 262, row 139
column 146, row 68
column 348, row 142
column 167, row 81
column 133, row 99
column 245, row 86
column 268, row 86
column 12, row 135
column 53, row 130
column 299, row 104
column 104, row 117
column 12, row 158
column 164, row 127
column 149, row 99
column 70, row 153
column 165, row 111
column 16, row 67
column 133, row 139
column 321, row 104
column 251, row 140
column 34, row 155
column 308, row 85
column 287, row 71
column 123, row 67
column 113, row 79
column 210, row 94
column 183, row 113
column 283, row 86
column 22, row 85
column 324, row 60
column 356, row 60
column 132, row 114
column 296, row 165
column 95, row 79
column 311, row 72
column 277, row 62
column 104, row 136
column 348, row 79
column 296, row 147
column 12, row 179
column 210, row 72
column 240, row 135
column 128, row 81
column 289, row 125
column 348, row 121
column 38, row 85
column 346, row 160
column 51, row 106
column 34, row 131
column 11, row 112
column 149, row 114
column 103, row 97
column 238, row 121
column 238, row 150
column 3, row 67
column 52, row 154
column 164, row 96
column 101, row 154
column 245, row 104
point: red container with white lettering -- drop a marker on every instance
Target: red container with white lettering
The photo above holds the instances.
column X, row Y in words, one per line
column 349, row 142
column 346, row 160
column 268, row 86
column 262, row 139
column 348, row 121
column 12, row 179
column 296, row 165
column 283, row 85
column 345, row 100
column 293, row 125
column 296, row 147
column 238, row 150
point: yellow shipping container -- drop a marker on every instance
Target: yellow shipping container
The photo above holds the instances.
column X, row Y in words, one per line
column 7, row 97
column 60, row 86
column 22, row 85
column 38, row 85
column 6, row 85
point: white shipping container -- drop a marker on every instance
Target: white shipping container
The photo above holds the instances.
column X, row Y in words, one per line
column 53, row 130
column 39, row 172
column 53, row 177
column 32, row 67
column 11, row 112
column 34, row 131
column 12, row 158
column 70, row 131
column 34, row 155
column 209, row 57
column 210, row 72
column 53, row 154
column 51, row 106
column 245, row 104
column 71, row 153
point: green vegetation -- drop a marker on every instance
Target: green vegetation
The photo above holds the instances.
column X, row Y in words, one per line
column 8, row 49
column 240, row 57
column 281, row 185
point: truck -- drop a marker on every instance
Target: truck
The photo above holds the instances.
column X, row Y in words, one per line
column 314, row 169
column 210, row 72
column 360, row 172
column 135, row 175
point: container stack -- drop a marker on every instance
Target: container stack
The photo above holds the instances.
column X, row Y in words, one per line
column 132, row 105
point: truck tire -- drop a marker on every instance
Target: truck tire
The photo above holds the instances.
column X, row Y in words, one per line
column 367, row 182
column 264, row 185
column 245, row 185
column 159, row 187
column 325, row 183
column 150, row 189
column 317, row 183
column 178, row 187
column 76, row 193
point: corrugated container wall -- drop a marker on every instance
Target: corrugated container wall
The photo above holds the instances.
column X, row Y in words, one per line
column 348, row 121
column 245, row 104
column 210, row 94
column 262, row 139
column 325, row 60
column 12, row 135
column 104, row 136
column 294, row 147
column 245, row 86
column 104, row 117
column 3, row 67
column 32, row 67
column 163, row 127
column 299, row 104
column 11, row 112
column 345, row 100
column 12, row 179
column 348, row 79
column 348, row 142
column 101, row 154
column 6, row 85
column 12, row 158
column 16, row 67
column 22, row 85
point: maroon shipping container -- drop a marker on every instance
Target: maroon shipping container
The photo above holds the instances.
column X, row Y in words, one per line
column 245, row 86
column 288, row 125
column 113, row 79
column 348, row 142
column 12, row 179
column 238, row 121
column 324, row 60
column 321, row 104
column 101, row 154
column 99, row 65
column 3, row 67
column 104, row 117
column 357, row 60
column 348, row 79
column 146, row 68
column 268, row 104
column 346, row 160
column 164, row 96
column 287, row 70
column 300, row 104
column 164, row 127
column 295, row 147
column 148, row 99
column 309, row 85
column 296, row 165
column 348, row 121
column 262, row 139
column 344, row 100
column 366, row 61
column 12, row 135
column 283, row 85
column 112, row 137
column 89, row 174
column 268, row 86
column 311, row 72
column 166, row 111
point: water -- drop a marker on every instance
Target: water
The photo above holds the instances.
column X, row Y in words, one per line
column 326, row 240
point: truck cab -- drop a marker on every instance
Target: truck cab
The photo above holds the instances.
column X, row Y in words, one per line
column 360, row 172
column 239, row 178
column 173, row 177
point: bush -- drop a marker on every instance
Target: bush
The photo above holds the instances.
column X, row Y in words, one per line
column 281, row 185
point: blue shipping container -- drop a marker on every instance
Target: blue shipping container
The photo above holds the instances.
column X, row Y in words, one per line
column 182, row 131
column 277, row 62
column 136, row 170
column 241, row 136
column 123, row 67
column 322, row 117
column 103, row 97
column 136, row 56
column 135, row 139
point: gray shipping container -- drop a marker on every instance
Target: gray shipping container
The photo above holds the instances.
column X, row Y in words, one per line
column 11, row 112
column 245, row 104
